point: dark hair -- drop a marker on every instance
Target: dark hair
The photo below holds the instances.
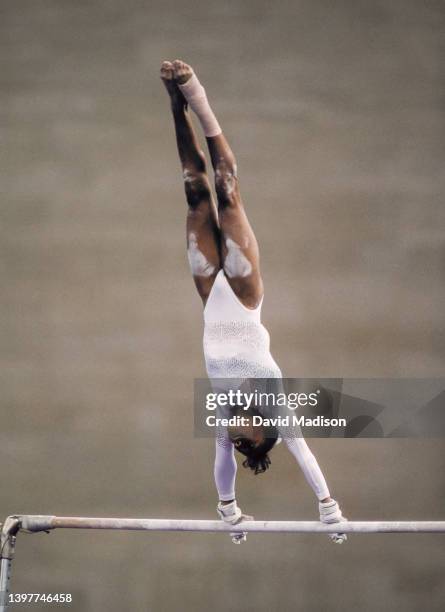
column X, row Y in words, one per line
column 257, row 458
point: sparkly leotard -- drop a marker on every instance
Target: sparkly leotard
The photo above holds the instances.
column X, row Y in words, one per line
column 236, row 344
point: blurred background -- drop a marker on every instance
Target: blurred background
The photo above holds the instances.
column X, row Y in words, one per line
column 335, row 112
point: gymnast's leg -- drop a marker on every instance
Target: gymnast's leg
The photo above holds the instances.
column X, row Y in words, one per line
column 239, row 247
column 203, row 235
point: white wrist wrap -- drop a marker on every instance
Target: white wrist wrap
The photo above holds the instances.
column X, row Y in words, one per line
column 229, row 513
column 196, row 96
column 330, row 512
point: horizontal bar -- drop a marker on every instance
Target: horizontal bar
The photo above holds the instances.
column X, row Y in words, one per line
column 45, row 523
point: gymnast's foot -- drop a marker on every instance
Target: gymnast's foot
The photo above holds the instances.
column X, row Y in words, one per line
column 167, row 74
column 182, row 71
column 196, row 97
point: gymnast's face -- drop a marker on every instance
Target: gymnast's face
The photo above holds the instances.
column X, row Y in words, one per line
column 255, row 435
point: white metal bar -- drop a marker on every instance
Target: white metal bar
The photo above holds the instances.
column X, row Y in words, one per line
column 5, row 574
column 43, row 523
column 36, row 523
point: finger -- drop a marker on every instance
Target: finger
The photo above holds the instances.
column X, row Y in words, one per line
column 238, row 538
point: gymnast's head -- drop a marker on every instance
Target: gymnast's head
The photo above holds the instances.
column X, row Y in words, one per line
column 253, row 439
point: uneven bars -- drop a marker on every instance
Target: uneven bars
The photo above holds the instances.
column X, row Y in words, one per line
column 35, row 523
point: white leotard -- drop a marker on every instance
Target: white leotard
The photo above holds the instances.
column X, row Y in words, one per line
column 236, row 344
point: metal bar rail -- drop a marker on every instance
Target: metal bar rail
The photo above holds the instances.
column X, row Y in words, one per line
column 38, row 523
column 48, row 523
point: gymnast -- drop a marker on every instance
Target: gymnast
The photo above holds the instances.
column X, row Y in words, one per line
column 224, row 260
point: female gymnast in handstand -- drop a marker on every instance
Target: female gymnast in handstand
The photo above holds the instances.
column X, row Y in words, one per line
column 224, row 261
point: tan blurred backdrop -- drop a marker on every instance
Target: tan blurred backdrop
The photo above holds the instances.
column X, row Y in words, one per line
column 335, row 112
